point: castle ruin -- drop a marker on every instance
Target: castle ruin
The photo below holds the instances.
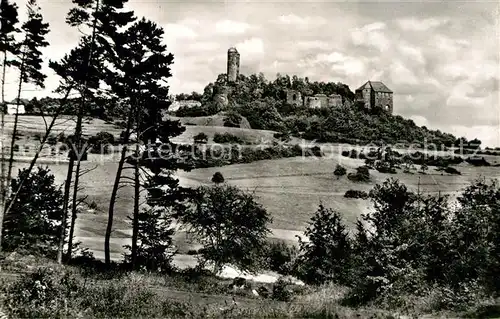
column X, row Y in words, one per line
column 373, row 94
column 295, row 98
column 233, row 65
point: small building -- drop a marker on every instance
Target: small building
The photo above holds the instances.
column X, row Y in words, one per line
column 375, row 95
column 12, row 107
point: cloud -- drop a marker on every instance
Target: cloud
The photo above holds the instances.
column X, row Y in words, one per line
column 371, row 36
column 298, row 21
column 415, row 24
column 179, row 31
column 231, row 27
column 251, row 47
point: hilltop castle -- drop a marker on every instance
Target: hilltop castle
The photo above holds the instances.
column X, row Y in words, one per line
column 373, row 94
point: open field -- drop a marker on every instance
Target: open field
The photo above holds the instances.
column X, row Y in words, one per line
column 290, row 189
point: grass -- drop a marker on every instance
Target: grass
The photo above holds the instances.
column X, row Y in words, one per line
column 69, row 291
column 290, row 188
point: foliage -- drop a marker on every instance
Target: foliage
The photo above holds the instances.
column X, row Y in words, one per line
column 33, row 223
column 281, row 291
column 155, row 248
column 339, row 171
column 232, row 119
column 228, row 138
column 43, row 294
column 280, row 257
column 236, row 154
column 200, row 138
column 362, row 175
column 100, row 142
column 217, row 178
column 356, row 194
column 452, row 170
column 325, row 257
column 230, row 224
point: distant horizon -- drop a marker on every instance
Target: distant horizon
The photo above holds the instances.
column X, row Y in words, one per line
column 440, row 59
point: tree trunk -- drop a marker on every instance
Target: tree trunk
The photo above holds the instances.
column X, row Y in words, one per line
column 67, row 186
column 79, row 151
column 73, row 212
column 135, row 216
column 78, row 136
column 14, row 130
column 111, row 211
column 3, row 181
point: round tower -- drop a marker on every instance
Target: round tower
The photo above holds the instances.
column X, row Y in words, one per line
column 233, row 65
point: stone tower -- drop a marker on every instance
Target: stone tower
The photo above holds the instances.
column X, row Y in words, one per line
column 233, row 65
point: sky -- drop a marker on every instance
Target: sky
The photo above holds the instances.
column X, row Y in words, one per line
column 441, row 58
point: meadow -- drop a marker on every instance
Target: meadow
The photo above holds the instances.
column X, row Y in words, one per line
column 290, row 189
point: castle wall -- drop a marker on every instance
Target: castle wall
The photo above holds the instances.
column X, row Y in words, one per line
column 294, row 98
column 384, row 101
column 312, row 102
column 335, row 100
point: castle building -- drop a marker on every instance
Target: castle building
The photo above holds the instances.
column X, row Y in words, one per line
column 233, row 64
column 295, row 98
column 374, row 94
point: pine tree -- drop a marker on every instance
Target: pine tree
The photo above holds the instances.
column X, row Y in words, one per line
column 102, row 19
column 7, row 45
column 29, row 64
column 143, row 68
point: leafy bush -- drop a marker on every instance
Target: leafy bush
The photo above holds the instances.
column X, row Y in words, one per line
column 280, row 257
column 326, row 256
column 452, row 170
column 99, row 144
column 217, row 178
column 230, row 224
column 384, row 167
column 281, row 291
column 362, row 175
column 339, row 171
column 200, row 138
column 232, row 119
column 33, row 223
column 356, row 194
column 45, row 293
column 227, row 138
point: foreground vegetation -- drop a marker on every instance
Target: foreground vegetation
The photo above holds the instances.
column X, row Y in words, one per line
column 412, row 254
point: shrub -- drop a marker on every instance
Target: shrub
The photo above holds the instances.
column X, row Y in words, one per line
column 45, row 293
column 230, row 224
column 279, row 257
column 200, row 138
column 325, row 257
column 362, row 175
column 339, row 171
column 384, row 167
column 227, row 138
column 32, row 224
column 356, row 194
column 452, row 170
column 232, row 119
column 281, row 292
column 217, row 178
column 100, row 142
column 477, row 161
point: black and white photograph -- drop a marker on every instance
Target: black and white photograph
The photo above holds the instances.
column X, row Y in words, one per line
column 329, row 159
